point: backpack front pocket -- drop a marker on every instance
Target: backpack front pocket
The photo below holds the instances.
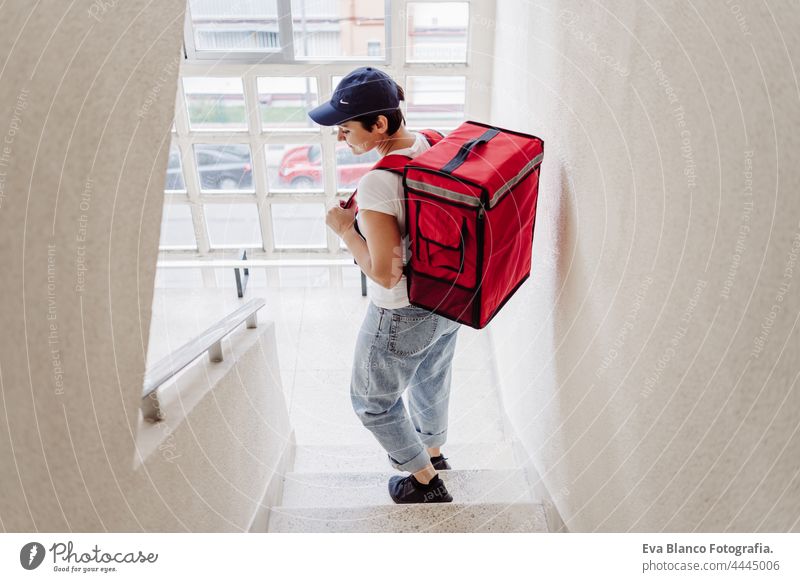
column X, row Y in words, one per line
column 443, row 243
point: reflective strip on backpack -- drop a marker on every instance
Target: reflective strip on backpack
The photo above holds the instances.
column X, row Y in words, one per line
column 515, row 180
column 471, row 200
column 443, row 192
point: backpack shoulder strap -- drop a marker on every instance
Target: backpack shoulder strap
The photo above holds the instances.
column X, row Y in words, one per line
column 394, row 163
column 432, row 136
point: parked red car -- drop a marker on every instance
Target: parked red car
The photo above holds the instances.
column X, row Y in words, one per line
column 301, row 167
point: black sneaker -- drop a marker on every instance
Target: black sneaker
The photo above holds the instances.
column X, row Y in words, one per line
column 409, row 490
column 440, row 463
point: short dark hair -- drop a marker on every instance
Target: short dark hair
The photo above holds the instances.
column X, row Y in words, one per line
column 394, row 117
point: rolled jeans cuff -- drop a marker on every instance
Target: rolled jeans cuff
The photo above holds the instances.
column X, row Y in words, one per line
column 419, row 462
column 432, row 441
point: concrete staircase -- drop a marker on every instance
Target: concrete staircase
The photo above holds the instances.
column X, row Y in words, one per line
column 343, row 487
column 489, row 494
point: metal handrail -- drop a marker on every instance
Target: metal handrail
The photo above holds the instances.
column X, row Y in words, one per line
column 209, row 341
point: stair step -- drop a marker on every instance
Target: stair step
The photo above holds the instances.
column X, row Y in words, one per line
column 434, row 517
column 360, row 489
column 325, row 458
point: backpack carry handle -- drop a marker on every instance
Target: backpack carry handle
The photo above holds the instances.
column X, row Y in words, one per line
column 465, row 150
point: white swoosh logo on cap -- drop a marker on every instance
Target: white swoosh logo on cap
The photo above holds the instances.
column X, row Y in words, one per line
column 343, row 102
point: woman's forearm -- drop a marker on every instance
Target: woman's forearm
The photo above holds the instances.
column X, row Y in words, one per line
column 358, row 247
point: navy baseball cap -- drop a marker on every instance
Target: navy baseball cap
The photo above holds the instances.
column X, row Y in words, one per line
column 363, row 91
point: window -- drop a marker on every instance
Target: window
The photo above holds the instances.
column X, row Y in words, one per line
column 247, row 166
column 177, row 231
column 232, row 225
column 283, row 102
column 329, row 29
column 294, row 167
column 437, row 32
column 224, row 167
column 435, row 101
column 215, row 103
column 221, row 25
column 317, row 29
column 298, row 226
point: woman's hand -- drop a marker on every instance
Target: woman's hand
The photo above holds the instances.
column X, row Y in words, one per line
column 340, row 220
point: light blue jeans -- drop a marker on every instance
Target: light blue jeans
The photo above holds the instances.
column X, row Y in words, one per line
column 412, row 348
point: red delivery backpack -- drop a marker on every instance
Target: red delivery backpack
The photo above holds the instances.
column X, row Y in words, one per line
column 470, row 214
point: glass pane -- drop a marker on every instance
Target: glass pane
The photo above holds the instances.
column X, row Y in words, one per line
column 224, row 167
column 176, row 226
column 435, row 102
column 437, row 32
column 233, row 225
column 298, row 226
column 350, row 167
column 222, row 25
column 334, row 29
column 215, row 103
column 294, row 167
column 284, row 102
column 174, row 181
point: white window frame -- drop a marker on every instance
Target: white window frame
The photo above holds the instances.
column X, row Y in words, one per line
column 477, row 72
column 284, row 55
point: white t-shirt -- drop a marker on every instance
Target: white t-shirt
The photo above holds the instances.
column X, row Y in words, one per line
column 382, row 191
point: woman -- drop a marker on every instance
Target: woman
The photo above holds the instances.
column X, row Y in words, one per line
column 399, row 345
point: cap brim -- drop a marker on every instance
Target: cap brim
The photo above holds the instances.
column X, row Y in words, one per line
column 325, row 114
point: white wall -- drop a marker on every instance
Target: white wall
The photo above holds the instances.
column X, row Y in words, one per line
column 631, row 363
column 87, row 93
